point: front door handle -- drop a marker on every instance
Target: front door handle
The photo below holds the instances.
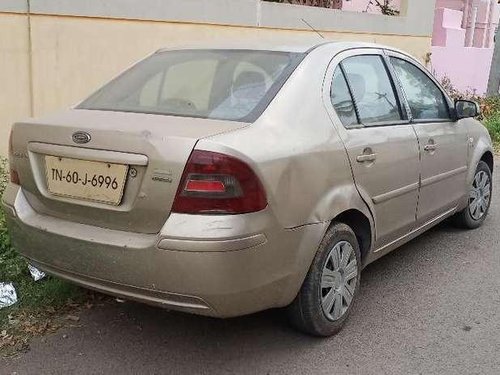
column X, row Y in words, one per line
column 430, row 147
column 366, row 157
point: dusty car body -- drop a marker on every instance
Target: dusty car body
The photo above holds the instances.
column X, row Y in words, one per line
column 387, row 180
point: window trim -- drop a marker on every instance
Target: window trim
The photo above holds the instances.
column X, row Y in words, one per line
column 349, row 89
column 351, row 93
column 405, row 120
column 398, row 88
column 335, row 61
column 448, row 102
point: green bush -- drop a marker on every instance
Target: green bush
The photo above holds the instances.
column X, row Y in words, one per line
column 492, row 123
column 490, row 108
column 32, row 295
column 491, row 117
column 11, row 265
column 3, row 174
column 41, row 305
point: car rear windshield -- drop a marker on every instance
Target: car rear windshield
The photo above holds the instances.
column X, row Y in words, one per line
column 214, row 84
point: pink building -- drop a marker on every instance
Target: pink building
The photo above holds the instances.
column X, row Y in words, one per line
column 463, row 42
column 463, row 39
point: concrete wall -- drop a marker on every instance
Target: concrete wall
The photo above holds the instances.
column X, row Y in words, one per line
column 15, row 102
column 60, row 51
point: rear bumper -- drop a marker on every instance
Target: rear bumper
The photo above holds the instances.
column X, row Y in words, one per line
column 211, row 265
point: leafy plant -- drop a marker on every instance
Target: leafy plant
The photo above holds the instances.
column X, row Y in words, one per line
column 10, row 264
column 490, row 108
column 468, row 94
column 332, row 4
column 385, row 7
column 39, row 304
column 492, row 123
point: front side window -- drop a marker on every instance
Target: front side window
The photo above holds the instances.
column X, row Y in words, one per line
column 425, row 99
column 342, row 100
column 216, row 84
column 372, row 89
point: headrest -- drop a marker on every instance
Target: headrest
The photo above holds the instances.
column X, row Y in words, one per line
column 249, row 85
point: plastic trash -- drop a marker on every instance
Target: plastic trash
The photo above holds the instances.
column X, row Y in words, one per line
column 36, row 274
column 8, row 295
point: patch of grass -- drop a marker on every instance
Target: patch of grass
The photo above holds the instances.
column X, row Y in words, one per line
column 493, row 125
column 40, row 304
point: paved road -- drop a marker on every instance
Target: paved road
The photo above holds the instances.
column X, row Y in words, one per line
column 432, row 307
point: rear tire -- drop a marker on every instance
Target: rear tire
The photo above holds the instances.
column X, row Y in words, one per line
column 326, row 297
column 479, row 199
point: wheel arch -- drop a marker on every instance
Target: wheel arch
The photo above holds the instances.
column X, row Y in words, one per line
column 487, row 157
column 482, row 151
column 345, row 204
column 361, row 226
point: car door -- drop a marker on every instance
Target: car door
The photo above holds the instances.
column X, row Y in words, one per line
column 381, row 144
column 443, row 142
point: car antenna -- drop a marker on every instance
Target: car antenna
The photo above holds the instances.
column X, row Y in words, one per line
column 312, row 28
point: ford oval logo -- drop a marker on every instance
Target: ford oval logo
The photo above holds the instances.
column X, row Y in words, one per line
column 81, row 137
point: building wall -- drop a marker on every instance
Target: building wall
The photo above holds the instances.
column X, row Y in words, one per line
column 467, row 68
column 14, row 73
column 457, row 39
column 62, row 50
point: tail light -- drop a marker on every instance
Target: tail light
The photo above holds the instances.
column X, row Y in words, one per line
column 14, row 176
column 218, row 183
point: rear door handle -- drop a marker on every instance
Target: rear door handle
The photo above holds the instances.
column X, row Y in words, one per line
column 430, row 147
column 366, row 157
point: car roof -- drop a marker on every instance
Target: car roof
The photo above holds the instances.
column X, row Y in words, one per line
column 279, row 46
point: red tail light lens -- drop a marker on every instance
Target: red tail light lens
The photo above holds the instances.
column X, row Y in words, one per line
column 205, row 186
column 214, row 183
column 14, row 176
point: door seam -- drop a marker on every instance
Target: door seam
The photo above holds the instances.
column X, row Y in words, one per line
column 419, row 172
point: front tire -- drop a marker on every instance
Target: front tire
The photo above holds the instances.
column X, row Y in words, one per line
column 326, row 297
column 479, row 199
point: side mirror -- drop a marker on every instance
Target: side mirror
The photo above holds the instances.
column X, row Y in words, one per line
column 466, row 108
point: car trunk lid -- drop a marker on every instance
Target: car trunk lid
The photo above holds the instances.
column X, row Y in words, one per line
column 148, row 152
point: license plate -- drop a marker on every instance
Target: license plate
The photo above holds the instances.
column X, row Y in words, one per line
column 85, row 180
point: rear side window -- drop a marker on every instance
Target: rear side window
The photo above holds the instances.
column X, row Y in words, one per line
column 372, row 88
column 342, row 100
column 217, row 84
column 425, row 99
